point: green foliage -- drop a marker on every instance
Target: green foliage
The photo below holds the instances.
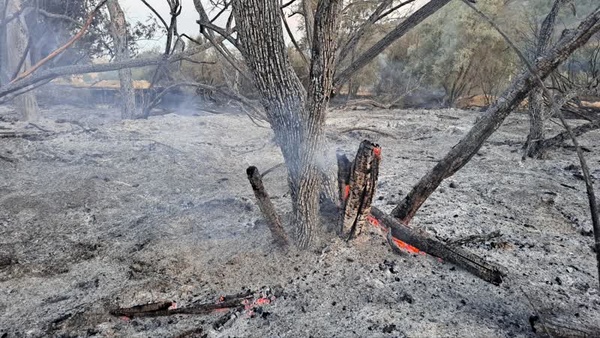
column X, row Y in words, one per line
column 456, row 51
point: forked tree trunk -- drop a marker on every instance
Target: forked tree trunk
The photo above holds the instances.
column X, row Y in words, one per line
column 118, row 30
column 17, row 61
column 297, row 117
column 461, row 153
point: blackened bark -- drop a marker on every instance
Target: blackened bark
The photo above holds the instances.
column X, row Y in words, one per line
column 461, row 153
column 118, row 29
column 476, row 265
column 358, row 188
column 297, row 117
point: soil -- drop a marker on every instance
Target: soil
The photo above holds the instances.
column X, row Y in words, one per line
column 98, row 213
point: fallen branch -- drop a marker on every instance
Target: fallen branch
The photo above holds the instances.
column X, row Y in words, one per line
column 474, row 264
column 168, row 309
column 267, row 208
column 537, row 79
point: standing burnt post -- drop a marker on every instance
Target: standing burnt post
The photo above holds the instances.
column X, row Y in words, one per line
column 357, row 183
column 266, row 207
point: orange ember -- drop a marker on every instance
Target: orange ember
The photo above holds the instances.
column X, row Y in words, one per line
column 346, row 192
column 402, row 245
column 377, row 152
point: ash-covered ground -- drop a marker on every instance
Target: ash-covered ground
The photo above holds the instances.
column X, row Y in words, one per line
column 97, row 213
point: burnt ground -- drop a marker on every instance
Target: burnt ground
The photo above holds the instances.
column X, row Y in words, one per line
column 97, row 213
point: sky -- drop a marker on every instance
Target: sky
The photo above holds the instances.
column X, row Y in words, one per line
column 135, row 11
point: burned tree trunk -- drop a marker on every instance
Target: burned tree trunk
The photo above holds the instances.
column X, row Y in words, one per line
column 358, row 182
column 297, row 117
column 266, row 207
column 461, row 153
column 536, row 100
column 118, row 29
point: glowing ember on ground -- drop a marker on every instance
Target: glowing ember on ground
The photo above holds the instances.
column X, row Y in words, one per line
column 346, row 192
column 402, row 245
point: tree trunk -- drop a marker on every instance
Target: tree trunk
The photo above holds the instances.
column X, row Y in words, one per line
column 461, row 153
column 308, row 8
column 118, row 30
column 16, row 40
column 297, row 117
column 536, row 99
column 536, row 135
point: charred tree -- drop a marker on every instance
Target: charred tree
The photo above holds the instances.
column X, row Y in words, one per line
column 536, row 100
column 118, row 30
column 461, row 153
column 357, row 184
column 296, row 115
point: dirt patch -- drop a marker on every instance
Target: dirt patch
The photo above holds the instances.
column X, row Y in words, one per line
column 107, row 214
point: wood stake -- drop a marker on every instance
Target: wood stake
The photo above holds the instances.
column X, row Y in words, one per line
column 266, row 207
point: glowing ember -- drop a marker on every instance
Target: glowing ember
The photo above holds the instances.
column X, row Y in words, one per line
column 402, row 245
column 377, row 152
column 346, row 192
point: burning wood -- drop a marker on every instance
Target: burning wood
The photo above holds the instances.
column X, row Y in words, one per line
column 476, row 265
column 357, row 183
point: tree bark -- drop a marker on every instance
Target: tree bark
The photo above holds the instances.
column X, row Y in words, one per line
column 461, row 153
column 296, row 116
column 536, row 99
column 405, row 26
column 16, row 40
column 358, row 187
column 118, row 29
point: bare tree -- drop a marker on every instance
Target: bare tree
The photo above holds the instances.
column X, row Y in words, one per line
column 296, row 115
column 118, row 30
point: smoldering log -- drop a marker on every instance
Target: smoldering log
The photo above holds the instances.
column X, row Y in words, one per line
column 476, row 265
column 361, row 183
column 266, row 207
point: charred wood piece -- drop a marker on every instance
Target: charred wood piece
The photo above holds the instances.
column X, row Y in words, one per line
column 358, row 187
column 168, row 308
column 474, row 264
column 266, row 207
